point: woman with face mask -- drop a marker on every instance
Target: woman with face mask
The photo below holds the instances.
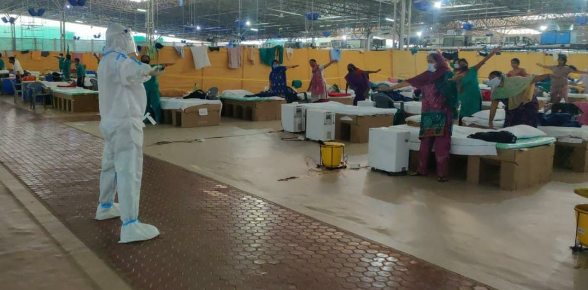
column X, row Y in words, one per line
column 277, row 78
column 439, row 108
column 518, row 96
column 559, row 81
column 470, row 96
column 152, row 89
column 318, row 84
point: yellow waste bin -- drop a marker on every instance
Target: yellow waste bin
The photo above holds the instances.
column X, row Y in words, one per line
column 332, row 154
column 582, row 222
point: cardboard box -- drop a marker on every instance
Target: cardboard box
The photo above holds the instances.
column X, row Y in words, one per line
column 514, row 169
column 253, row 111
column 571, row 156
column 76, row 103
column 356, row 129
column 196, row 116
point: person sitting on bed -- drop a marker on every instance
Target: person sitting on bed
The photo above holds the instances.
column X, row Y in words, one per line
column 517, row 95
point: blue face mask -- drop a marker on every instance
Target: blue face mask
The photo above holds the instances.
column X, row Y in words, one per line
column 275, row 65
column 431, row 67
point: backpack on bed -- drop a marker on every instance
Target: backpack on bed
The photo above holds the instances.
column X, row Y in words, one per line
column 198, row 94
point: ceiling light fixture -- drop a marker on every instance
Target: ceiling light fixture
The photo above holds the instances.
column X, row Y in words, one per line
column 172, row 35
column 420, row 33
column 248, row 23
column 79, row 21
column 438, row 5
column 344, row 37
column 141, row 10
column 390, row 19
column 543, row 28
column 254, row 29
column 197, row 27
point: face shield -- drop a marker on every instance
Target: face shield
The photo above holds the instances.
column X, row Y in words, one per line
column 120, row 38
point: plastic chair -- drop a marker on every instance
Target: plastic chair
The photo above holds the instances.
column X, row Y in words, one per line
column 16, row 91
column 94, row 84
column 36, row 89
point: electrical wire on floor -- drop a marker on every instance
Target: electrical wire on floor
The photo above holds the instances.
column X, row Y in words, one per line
column 210, row 138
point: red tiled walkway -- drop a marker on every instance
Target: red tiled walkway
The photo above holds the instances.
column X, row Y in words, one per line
column 212, row 236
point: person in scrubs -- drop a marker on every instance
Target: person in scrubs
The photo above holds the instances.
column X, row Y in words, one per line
column 80, row 72
column 123, row 101
column 66, row 70
column 152, row 89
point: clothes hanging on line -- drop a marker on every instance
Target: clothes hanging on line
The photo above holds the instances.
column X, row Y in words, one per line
column 336, row 54
column 235, row 57
column 214, row 48
column 200, row 56
column 44, row 53
column 289, row 53
column 180, row 50
column 268, row 55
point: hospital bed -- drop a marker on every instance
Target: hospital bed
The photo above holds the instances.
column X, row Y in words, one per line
column 571, row 148
column 527, row 163
column 75, row 100
column 187, row 113
column 236, row 105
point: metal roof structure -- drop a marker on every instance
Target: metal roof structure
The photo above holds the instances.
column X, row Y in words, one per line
column 227, row 19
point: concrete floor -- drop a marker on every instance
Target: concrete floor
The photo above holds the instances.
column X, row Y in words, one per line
column 508, row 240
column 31, row 259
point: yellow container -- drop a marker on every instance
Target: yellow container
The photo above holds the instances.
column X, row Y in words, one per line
column 332, row 154
column 582, row 222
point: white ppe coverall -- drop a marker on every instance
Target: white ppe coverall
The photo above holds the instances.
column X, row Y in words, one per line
column 123, row 101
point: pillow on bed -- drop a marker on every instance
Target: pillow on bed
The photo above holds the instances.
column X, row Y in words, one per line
column 485, row 115
column 524, row 131
column 415, row 118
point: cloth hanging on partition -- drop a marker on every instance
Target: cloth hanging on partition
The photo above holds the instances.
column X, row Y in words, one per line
column 36, row 55
column 44, row 53
column 235, row 57
column 289, row 53
column 336, row 54
column 180, row 50
column 200, row 56
column 268, row 55
column 251, row 55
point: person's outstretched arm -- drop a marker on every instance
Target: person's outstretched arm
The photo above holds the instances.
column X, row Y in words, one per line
column 544, row 66
column 483, row 62
column 396, row 86
column 493, row 109
column 539, row 78
column 330, row 63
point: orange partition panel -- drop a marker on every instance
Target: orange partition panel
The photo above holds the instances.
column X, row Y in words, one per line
column 302, row 72
column 255, row 76
column 375, row 60
column 182, row 74
column 219, row 75
column 407, row 65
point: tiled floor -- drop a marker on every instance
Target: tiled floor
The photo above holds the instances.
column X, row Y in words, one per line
column 213, row 236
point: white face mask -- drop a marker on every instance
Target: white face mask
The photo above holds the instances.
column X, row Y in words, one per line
column 432, row 67
column 495, row 82
column 456, row 65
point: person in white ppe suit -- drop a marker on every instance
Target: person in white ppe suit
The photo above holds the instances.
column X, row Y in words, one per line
column 123, row 101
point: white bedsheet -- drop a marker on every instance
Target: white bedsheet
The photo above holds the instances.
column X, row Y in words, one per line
column 339, row 108
column 53, row 85
column 241, row 94
column 565, row 134
column 414, row 108
column 460, row 143
column 405, row 89
column 182, row 104
column 468, row 121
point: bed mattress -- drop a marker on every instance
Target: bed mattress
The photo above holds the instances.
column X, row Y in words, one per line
column 239, row 95
column 182, row 104
column 339, row 108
